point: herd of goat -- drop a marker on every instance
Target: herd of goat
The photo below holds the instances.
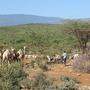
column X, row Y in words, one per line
column 12, row 55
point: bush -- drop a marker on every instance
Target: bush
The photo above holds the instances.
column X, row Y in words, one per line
column 10, row 76
column 82, row 63
column 67, row 79
column 69, row 83
column 41, row 62
column 43, row 66
column 40, row 82
column 32, row 63
column 26, row 84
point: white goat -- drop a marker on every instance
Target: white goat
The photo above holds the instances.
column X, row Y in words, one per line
column 49, row 58
column 30, row 56
column 6, row 55
column 20, row 54
column 75, row 56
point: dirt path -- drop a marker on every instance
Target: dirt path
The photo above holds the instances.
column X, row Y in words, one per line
column 57, row 70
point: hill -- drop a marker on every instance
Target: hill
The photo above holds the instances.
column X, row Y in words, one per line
column 41, row 38
column 18, row 19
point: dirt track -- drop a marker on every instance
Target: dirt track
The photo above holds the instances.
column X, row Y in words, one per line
column 59, row 69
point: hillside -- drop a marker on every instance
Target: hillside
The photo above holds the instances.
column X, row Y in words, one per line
column 18, row 19
column 41, row 38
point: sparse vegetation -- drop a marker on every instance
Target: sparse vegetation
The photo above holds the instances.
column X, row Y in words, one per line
column 42, row 39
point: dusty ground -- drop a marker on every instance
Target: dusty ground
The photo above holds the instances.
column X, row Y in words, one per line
column 57, row 70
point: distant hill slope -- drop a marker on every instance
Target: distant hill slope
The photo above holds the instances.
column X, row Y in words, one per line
column 18, row 19
column 43, row 38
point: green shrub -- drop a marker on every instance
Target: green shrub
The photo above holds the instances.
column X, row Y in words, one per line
column 10, row 76
column 40, row 82
column 67, row 79
column 26, row 84
column 69, row 83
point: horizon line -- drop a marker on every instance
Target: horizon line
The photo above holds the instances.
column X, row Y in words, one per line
column 50, row 16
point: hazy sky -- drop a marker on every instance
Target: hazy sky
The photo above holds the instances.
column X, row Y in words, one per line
column 54, row 8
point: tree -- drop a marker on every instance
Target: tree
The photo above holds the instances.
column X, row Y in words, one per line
column 82, row 32
column 83, row 37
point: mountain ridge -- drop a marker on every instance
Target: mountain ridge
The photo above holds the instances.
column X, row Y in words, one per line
column 18, row 19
